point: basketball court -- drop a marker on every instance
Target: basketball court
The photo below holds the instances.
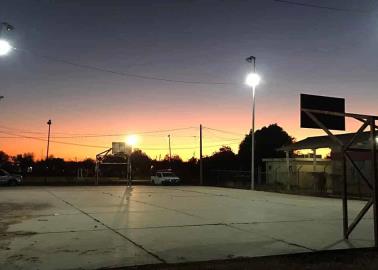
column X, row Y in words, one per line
column 94, row 227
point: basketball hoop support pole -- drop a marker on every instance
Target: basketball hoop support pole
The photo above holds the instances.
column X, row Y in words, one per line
column 373, row 139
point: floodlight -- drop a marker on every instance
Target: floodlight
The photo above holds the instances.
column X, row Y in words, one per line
column 253, row 79
column 5, row 47
column 132, row 140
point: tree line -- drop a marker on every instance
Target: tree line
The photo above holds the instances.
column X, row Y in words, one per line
column 267, row 140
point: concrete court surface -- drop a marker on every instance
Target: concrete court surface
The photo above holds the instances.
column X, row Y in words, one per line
column 109, row 226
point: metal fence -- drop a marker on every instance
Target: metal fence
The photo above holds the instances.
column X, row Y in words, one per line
column 311, row 183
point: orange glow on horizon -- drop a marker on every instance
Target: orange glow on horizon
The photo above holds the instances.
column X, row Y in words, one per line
column 185, row 143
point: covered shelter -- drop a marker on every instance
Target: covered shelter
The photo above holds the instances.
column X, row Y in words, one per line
column 360, row 144
column 312, row 172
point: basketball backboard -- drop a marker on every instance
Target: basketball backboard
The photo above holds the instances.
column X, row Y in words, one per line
column 325, row 104
column 120, row 148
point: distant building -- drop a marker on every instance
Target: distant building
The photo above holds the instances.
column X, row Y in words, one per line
column 316, row 174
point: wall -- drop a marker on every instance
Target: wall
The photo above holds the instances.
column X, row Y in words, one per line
column 325, row 177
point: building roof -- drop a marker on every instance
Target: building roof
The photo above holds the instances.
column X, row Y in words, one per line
column 327, row 142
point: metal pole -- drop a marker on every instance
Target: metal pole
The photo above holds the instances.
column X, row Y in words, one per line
column 97, row 171
column 345, row 196
column 170, row 152
column 48, row 140
column 130, row 168
column 48, row 146
column 374, row 178
column 201, row 162
column 253, row 142
column 253, row 132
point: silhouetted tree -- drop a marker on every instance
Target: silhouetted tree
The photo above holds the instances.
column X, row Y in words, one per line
column 141, row 164
column 23, row 162
column 88, row 165
column 4, row 159
column 56, row 166
column 267, row 141
column 223, row 159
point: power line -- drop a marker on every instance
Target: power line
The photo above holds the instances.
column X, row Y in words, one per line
column 120, row 73
column 103, row 147
column 217, row 145
column 224, row 131
column 322, row 7
column 59, row 142
column 216, row 135
column 188, row 148
column 226, row 142
column 90, row 135
column 42, row 132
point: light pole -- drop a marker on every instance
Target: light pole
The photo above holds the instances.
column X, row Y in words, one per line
column 252, row 80
column 48, row 139
column 47, row 151
column 5, row 46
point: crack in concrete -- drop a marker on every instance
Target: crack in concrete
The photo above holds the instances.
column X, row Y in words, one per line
column 270, row 222
column 54, row 232
column 111, row 229
column 229, row 225
column 273, row 238
column 174, row 226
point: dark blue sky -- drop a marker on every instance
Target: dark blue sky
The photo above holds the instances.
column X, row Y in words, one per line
column 298, row 49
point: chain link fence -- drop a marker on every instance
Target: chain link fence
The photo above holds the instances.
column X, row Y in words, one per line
column 298, row 182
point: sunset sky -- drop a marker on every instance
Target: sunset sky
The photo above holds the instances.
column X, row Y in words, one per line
column 299, row 49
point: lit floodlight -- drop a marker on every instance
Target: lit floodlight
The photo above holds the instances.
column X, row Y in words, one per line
column 132, row 140
column 5, row 47
column 252, row 80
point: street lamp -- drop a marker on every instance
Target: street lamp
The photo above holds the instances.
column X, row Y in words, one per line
column 252, row 80
column 5, row 47
column 132, row 141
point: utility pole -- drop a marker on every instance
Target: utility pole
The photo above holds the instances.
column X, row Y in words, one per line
column 48, row 146
column 170, row 151
column 48, row 140
column 201, row 164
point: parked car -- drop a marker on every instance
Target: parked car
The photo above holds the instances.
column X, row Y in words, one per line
column 164, row 178
column 9, row 179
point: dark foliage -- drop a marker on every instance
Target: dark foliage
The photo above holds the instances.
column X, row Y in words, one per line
column 267, row 141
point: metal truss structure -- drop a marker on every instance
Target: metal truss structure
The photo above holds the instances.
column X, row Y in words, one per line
column 346, row 148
